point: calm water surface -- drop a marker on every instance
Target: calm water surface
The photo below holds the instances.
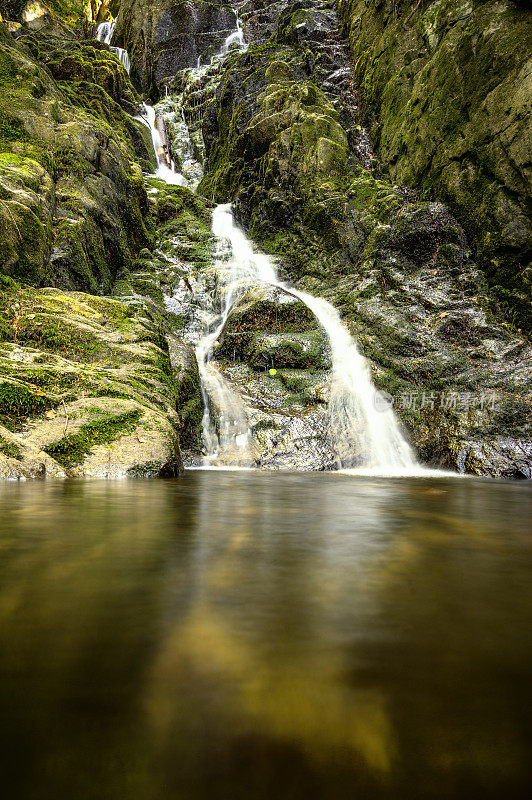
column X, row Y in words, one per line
column 266, row 636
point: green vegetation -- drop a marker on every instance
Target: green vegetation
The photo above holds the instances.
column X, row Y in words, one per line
column 150, row 469
column 70, row 451
column 284, row 140
column 18, row 401
column 10, row 449
column 74, row 132
column 445, row 88
column 12, row 9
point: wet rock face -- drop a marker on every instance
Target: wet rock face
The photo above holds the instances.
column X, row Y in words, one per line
column 83, row 61
column 187, row 31
column 446, row 88
column 277, row 358
column 163, row 39
column 103, row 389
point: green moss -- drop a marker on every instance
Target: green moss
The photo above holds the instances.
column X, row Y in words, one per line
column 300, row 399
column 10, row 449
column 296, row 383
column 112, row 311
column 150, row 469
column 78, row 130
column 108, row 391
column 53, row 334
column 11, row 130
column 272, row 316
column 12, row 9
column 66, row 161
column 95, row 100
column 442, row 88
column 71, row 450
column 18, row 401
column 305, row 350
column 73, row 12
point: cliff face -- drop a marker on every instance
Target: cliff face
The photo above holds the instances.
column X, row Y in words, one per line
column 86, row 385
column 167, row 36
column 446, row 86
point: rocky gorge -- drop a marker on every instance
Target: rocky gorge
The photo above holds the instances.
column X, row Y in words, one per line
column 360, row 157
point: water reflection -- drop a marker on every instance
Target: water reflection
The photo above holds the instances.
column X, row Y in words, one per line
column 265, row 635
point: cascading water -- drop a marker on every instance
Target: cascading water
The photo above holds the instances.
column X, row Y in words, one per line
column 165, row 167
column 363, row 427
column 235, row 41
column 230, row 440
column 104, row 33
column 364, row 430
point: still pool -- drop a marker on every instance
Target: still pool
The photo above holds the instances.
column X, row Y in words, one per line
column 266, row 636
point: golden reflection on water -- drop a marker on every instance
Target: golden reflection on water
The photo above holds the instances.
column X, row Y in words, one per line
column 301, row 702
column 265, row 635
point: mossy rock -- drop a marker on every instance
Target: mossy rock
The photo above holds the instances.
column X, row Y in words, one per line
column 79, row 371
column 295, row 350
column 76, row 135
column 446, row 89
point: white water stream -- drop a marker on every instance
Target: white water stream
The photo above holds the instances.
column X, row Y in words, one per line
column 239, row 269
column 235, row 41
column 104, row 33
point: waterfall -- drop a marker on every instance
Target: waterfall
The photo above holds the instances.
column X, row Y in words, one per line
column 241, row 268
column 165, row 172
column 123, row 55
column 234, row 38
column 364, row 430
column 191, row 168
column 104, row 33
column 363, row 426
column 234, row 41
